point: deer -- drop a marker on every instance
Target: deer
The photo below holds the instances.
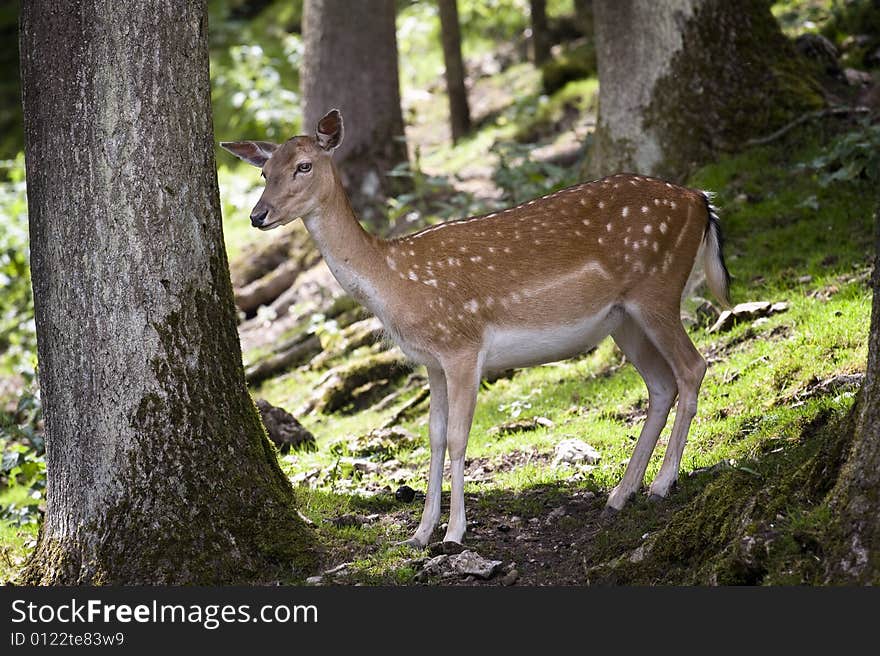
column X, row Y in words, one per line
column 540, row 282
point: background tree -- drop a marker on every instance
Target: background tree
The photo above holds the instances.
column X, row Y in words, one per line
column 540, row 32
column 459, row 113
column 159, row 470
column 583, row 15
column 350, row 63
column 680, row 81
column 10, row 93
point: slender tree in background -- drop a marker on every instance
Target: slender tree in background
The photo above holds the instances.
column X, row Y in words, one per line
column 682, row 80
column 583, row 15
column 159, row 470
column 540, row 33
column 459, row 113
column 350, row 63
column 855, row 499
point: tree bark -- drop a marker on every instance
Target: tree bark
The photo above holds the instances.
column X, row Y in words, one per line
column 459, row 113
column 855, row 499
column 540, row 32
column 681, row 81
column 350, row 63
column 159, row 470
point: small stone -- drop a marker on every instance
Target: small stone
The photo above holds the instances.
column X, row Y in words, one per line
column 283, row 428
column 510, row 578
column 760, row 321
column 574, row 452
column 805, row 279
column 556, row 514
column 781, row 306
column 405, row 493
column 471, row 563
column 724, row 322
column 436, row 565
column 315, row 580
column 504, row 528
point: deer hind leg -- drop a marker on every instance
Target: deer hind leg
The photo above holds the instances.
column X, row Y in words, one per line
column 660, row 381
column 689, row 367
column 437, row 420
column 462, row 384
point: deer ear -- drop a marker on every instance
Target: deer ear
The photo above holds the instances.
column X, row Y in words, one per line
column 329, row 132
column 252, row 152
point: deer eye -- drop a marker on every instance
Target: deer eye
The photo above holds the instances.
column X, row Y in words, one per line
column 304, row 167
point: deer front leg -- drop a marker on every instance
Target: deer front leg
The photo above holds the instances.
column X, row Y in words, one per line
column 437, row 430
column 462, row 384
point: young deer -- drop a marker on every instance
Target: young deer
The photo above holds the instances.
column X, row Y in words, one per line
column 539, row 282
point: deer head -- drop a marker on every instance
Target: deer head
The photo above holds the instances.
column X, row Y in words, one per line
column 299, row 173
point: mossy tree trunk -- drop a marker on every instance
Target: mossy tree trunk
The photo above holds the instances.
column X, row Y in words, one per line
column 680, row 81
column 855, row 499
column 350, row 63
column 450, row 34
column 159, row 470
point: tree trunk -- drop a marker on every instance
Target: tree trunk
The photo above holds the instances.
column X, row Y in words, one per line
column 682, row 80
column 855, row 499
column 350, row 63
column 540, row 33
column 159, row 470
column 583, row 16
column 459, row 113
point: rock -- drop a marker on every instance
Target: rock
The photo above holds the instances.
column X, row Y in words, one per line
column 820, row 50
column 361, row 465
column 857, row 78
column 382, row 441
column 436, row 566
column 556, row 514
column 575, row 452
column 284, row 430
column 405, row 493
column 471, row 563
column 337, row 569
column 520, row 425
column 315, row 580
column 346, row 520
column 510, row 578
column 746, row 312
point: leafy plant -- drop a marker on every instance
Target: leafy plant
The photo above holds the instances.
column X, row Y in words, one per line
column 17, row 331
column 853, row 156
column 522, row 177
column 23, row 461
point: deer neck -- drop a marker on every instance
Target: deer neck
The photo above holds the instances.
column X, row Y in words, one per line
column 350, row 252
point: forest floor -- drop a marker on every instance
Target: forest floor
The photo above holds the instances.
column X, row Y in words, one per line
column 763, row 451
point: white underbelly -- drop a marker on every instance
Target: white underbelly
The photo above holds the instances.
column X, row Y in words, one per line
column 510, row 348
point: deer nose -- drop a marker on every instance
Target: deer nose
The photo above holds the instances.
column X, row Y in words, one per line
column 258, row 215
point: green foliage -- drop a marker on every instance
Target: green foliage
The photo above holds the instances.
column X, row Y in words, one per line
column 851, row 157
column 17, row 332
column 23, row 464
column 572, row 64
column 855, row 26
column 255, row 70
column 522, row 177
column 428, row 196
